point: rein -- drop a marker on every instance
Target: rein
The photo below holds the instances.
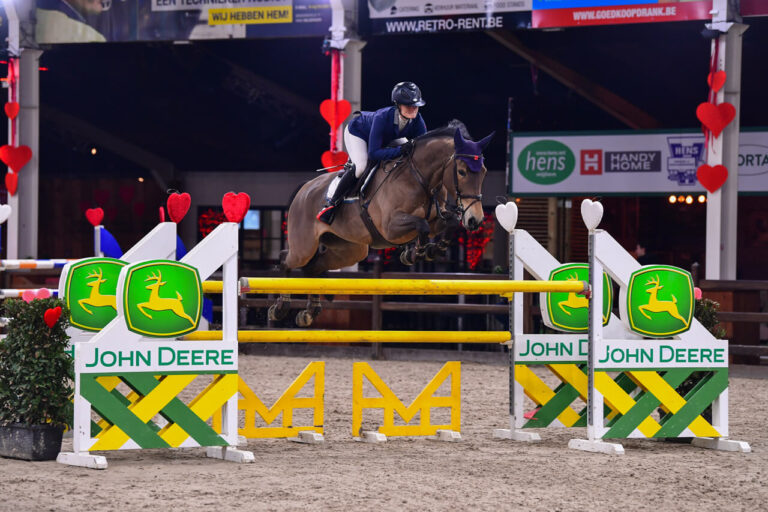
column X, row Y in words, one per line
column 458, row 210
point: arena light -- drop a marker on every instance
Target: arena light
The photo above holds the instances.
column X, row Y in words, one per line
column 672, row 199
column 688, row 199
column 141, row 180
column 702, row 198
column 680, row 199
column 93, row 151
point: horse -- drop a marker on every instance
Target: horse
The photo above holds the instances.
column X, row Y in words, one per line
column 411, row 198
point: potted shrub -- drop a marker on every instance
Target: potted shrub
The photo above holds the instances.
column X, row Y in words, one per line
column 35, row 379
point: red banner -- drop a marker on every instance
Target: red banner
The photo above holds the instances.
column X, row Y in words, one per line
column 754, row 8
column 611, row 15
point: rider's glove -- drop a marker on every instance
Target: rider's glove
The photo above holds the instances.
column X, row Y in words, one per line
column 407, row 148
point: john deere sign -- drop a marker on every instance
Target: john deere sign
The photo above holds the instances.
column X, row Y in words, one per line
column 658, row 301
column 90, row 291
column 546, row 162
column 162, row 298
column 569, row 312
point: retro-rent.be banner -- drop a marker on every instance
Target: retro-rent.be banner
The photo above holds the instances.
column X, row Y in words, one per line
column 569, row 13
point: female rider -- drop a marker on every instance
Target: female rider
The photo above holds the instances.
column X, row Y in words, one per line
column 368, row 134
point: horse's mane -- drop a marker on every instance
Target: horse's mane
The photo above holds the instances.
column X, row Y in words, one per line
column 446, row 131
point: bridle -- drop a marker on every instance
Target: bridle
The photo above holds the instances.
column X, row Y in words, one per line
column 456, row 210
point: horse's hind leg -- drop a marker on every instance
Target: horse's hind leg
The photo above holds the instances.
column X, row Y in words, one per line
column 282, row 306
column 338, row 254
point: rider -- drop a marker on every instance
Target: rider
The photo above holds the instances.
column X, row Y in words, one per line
column 367, row 136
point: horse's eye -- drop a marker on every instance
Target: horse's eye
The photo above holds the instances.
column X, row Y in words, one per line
column 462, row 172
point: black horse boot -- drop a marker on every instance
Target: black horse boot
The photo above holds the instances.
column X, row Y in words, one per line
column 346, row 183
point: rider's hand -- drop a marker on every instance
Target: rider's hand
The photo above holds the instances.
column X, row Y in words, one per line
column 407, row 148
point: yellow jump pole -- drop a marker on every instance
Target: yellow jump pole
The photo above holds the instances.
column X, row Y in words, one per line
column 399, row 286
column 308, row 336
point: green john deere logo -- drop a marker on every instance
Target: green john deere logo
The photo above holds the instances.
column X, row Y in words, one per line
column 90, row 292
column 162, row 298
column 569, row 312
column 659, row 301
column 546, row 162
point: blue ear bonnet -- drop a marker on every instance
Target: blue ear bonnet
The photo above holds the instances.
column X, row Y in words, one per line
column 469, row 152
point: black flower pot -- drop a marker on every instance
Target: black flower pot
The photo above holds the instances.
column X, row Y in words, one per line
column 30, row 442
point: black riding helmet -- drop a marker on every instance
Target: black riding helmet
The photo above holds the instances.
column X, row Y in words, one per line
column 407, row 93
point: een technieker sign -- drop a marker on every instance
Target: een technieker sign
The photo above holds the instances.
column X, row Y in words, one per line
column 663, row 163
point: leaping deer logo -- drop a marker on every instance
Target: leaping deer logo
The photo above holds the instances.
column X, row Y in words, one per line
column 659, row 306
column 96, row 299
column 573, row 301
column 157, row 303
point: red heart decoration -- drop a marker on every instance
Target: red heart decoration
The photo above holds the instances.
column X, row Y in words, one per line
column 11, row 109
column 712, row 178
column 42, row 293
column 178, row 206
column 15, row 157
column 28, row 296
column 11, row 182
column 717, row 80
column 335, row 112
column 235, row 205
column 94, row 216
column 334, row 159
column 52, row 316
column 716, row 117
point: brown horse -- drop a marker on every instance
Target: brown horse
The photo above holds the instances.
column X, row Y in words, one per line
column 411, row 198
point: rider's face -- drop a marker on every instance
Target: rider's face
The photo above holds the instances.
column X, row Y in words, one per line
column 409, row 111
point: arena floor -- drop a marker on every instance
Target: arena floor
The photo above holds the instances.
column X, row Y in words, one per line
column 480, row 473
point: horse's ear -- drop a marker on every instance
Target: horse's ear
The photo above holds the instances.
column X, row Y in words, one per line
column 458, row 140
column 484, row 142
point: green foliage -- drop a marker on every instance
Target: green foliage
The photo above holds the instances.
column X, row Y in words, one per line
column 35, row 368
column 706, row 313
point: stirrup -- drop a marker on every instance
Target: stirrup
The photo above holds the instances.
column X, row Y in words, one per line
column 327, row 214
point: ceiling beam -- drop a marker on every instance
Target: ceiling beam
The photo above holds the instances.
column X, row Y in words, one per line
column 608, row 101
column 162, row 170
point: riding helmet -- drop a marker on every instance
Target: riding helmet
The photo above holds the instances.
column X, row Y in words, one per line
column 407, row 93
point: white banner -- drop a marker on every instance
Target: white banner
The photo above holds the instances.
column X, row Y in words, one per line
column 412, row 8
column 625, row 163
column 640, row 354
column 551, row 348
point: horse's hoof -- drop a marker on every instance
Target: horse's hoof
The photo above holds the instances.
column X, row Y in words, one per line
column 430, row 253
column 304, row 318
column 405, row 258
column 276, row 314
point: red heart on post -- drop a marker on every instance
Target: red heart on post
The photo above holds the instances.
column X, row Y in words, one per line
column 11, row 109
column 715, row 117
column 11, row 182
column 178, row 206
column 52, row 316
column 712, row 178
column 235, row 206
column 94, row 216
column 717, row 80
column 334, row 159
column 15, row 157
column 335, row 112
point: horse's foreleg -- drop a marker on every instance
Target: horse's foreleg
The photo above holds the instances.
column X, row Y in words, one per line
column 305, row 317
column 406, row 222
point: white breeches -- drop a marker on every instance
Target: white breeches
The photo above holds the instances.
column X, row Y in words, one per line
column 357, row 149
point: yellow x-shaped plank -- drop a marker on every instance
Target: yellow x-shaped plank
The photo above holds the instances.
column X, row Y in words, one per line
column 538, row 391
column 619, row 400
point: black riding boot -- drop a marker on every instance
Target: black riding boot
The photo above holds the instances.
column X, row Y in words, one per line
column 346, row 183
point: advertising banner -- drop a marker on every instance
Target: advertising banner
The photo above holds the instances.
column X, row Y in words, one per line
column 754, row 8
column 420, row 16
column 81, row 21
column 625, row 163
column 570, row 13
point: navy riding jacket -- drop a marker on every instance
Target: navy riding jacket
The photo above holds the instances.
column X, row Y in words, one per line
column 380, row 128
